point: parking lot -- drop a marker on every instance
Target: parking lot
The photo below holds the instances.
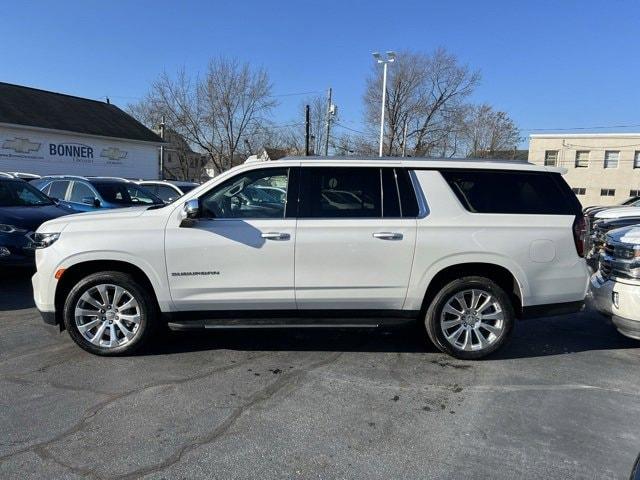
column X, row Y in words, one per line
column 561, row 401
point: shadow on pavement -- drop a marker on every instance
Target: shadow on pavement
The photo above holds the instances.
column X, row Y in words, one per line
column 15, row 288
column 586, row 331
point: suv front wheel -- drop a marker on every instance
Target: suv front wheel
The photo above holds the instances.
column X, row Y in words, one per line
column 109, row 313
column 470, row 318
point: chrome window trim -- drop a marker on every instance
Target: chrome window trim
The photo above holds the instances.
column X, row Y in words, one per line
column 423, row 206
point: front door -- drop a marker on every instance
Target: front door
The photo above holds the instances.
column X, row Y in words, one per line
column 354, row 246
column 239, row 254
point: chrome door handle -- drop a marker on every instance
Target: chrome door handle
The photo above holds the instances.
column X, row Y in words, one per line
column 388, row 235
column 275, row 236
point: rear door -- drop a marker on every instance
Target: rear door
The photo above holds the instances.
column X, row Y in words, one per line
column 82, row 197
column 354, row 246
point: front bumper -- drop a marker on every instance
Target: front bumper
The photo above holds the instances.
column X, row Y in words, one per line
column 618, row 300
column 16, row 251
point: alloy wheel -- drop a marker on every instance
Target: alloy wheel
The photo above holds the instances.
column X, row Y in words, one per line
column 472, row 320
column 107, row 315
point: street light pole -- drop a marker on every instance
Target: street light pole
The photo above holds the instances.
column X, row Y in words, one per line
column 391, row 56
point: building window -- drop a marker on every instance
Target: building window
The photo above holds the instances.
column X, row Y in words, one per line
column 636, row 159
column 579, row 190
column 607, row 192
column 582, row 158
column 551, row 158
column 611, row 158
column 634, row 193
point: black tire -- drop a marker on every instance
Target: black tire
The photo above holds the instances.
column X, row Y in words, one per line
column 434, row 316
column 146, row 310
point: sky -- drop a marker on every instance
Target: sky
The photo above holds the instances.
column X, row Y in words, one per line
column 551, row 65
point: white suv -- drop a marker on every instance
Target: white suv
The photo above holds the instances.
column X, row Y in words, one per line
column 464, row 246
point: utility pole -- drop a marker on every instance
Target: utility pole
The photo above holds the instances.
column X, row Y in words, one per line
column 404, row 140
column 162, row 125
column 328, row 132
column 307, row 128
column 391, row 56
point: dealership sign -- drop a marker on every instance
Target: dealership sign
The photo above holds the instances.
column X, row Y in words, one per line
column 21, row 145
column 80, row 155
column 74, row 151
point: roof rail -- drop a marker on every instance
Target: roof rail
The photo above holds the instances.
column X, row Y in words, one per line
column 109, row 178
column 399, row 159
column 71, row 177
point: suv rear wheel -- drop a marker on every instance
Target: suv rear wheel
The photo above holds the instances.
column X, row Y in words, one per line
column 470, row 318
column 109, row 313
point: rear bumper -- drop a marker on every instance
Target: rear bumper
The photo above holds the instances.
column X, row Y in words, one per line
column 619, row 301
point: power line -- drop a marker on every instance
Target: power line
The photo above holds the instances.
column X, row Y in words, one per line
column 601, row 127
column 337, row 124
column 295, row 93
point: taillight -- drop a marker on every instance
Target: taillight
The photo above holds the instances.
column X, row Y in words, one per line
column 580, row 231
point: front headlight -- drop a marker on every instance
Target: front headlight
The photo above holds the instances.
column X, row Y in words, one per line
column 4, row 228
column 44, row 240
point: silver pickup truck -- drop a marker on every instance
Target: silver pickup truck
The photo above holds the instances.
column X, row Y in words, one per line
column 615, row 287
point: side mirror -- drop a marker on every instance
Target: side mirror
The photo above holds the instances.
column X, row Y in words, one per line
column 192, row 209
column 190, row 213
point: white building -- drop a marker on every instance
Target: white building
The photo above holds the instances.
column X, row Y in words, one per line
column 50, row 133
column 602, row 168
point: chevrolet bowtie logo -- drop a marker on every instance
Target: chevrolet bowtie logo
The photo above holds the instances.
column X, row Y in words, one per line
column 21, row 145
column 113, row 153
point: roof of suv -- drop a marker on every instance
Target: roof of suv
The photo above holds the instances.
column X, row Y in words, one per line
column 86, row 179
column 412, row 162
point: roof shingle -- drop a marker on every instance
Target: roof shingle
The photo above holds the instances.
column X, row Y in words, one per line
column 40, row 108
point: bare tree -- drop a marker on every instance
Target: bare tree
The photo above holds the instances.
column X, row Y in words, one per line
column 485, row 132
column 291, row 137
column 214, row 113
column 425, row 92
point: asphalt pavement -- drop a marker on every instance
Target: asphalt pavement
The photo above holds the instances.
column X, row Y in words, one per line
column 561, row 401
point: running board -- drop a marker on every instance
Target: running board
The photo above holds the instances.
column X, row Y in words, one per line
column 227, row 325
column 202, row 320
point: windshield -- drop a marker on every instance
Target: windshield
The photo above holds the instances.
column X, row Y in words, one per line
column 21, row 194
column 122, row 193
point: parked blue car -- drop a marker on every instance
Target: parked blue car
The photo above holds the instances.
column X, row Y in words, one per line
column 23, row 209
column 86, row 194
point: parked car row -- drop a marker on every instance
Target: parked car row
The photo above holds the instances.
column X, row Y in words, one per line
column 614, row 256
column 27, row 200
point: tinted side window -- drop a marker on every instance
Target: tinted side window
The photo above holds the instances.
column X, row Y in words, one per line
column 408, row 199
column 340, row 192
column 167, row 194
column 491, row 191
column 58, row 189
column 390, row 200
column 80, row 191
column 246, row 195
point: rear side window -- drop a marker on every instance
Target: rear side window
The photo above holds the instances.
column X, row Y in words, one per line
column 408, row 199
column 390, row 199
column 58, row 189
column 342, row 192
column 515, row 192
column 79, row 192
